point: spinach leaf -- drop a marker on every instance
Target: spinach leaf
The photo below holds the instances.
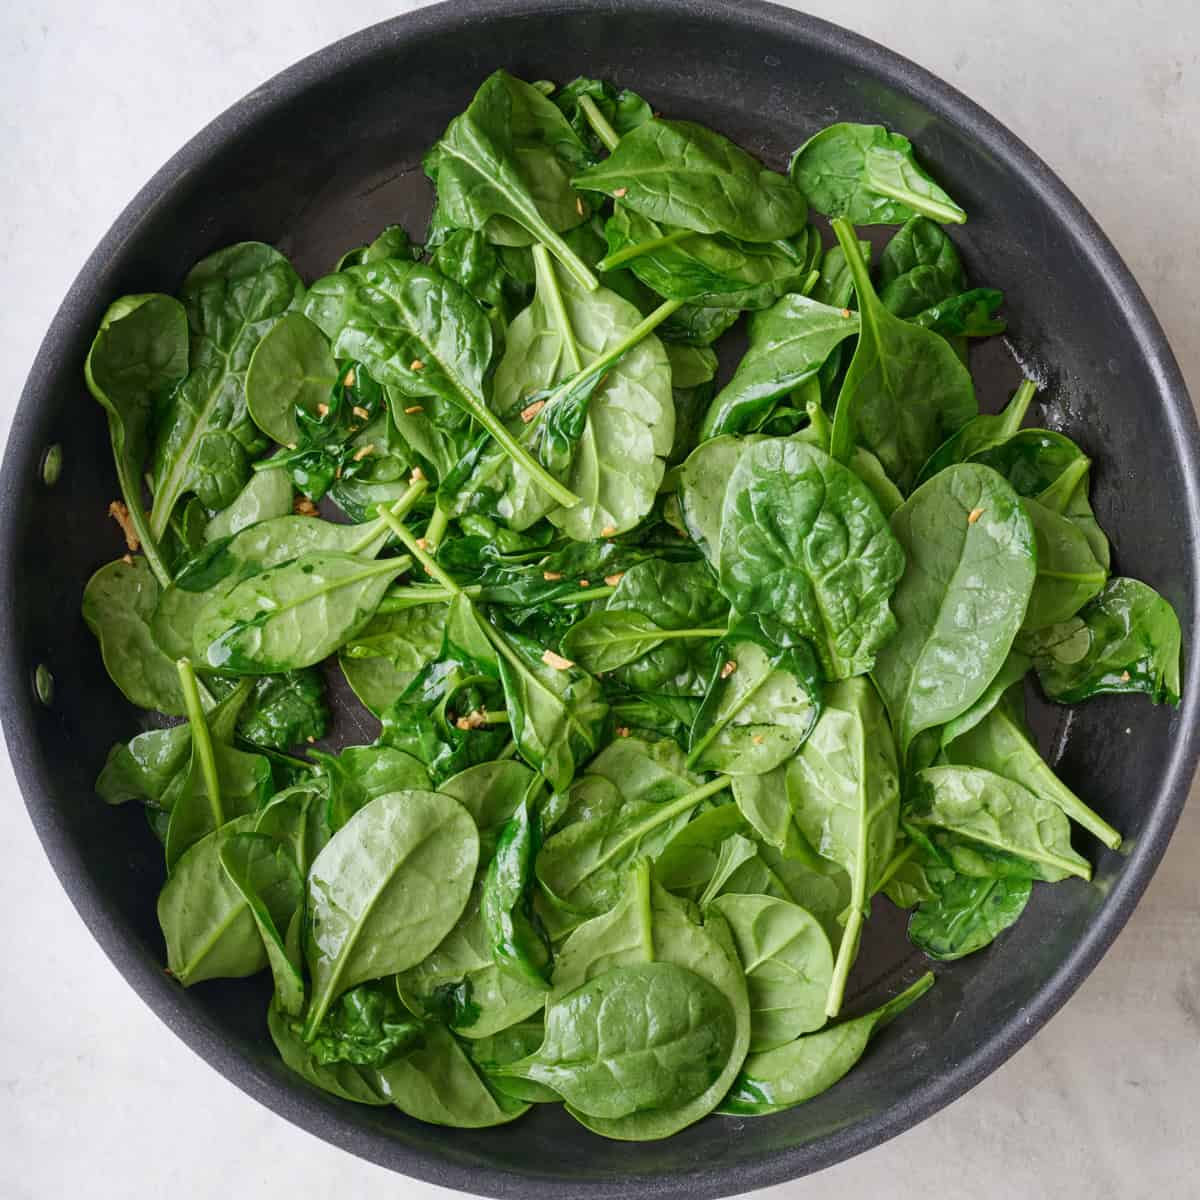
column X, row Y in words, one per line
column 340, row 1077
column 789, row 343
column 803, row 539
column 905, row 390
column 382, row 659
column 204, row 433
column 297, row 818
column 519, row 944
column 285, row 710
column 1068, row 572
column 391, row 242
column 788, row 965
column 966, row 915
column 680, row 173
column 762, row 703
column 1021, row 833
column 359, row 774
column 608, row 639
column 788, row 1075
column 503, row 167
column 119, row 602
column 633, row 1038
column 649, row 925
column 209, row 929
column 142, row 768
column 267, row 494
column 386, row 889
column 266, row 876
column 139, row 353
column 920, row 244
column 969, row 314
column 868, row 176
column 292, row 615
column 367, row 1026
column 710, row 270
column 621, row 110
column 491, row 792
column 1126, row 640
column 971, row 568
column 421, row 334
column 844, row 786
column 465, row 960
column 291, row 368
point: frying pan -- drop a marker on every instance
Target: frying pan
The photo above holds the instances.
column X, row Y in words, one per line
column 319, row 159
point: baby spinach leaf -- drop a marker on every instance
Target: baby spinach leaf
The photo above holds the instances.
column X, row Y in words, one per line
column 790, row 1074
column 869, row 176
column 789, row 343
column 292, row 615
column 966, row 915
column 119, row 602
column 556, row 713
column 464, row 961
column 969, row 314
column 209, row 929
column 762, row 703
column 503, row 167
column 622, row 109
column 1014, row 669
column 267, row 494
column 710, row 270
column 637, row 1037
column 266, row 876
column 204, row 432
column 788, row 965
column 285, row 710
column 139, row 353
column 905, row 391
column 142, row 768
column 291, row 368
column 1126, row 640
column 919, row 244
column 491, row 792
column 649, row 925
column 608, row 639
column 297, row 818
column 803, row 539
column 519, row 944
column 418, row 333
column 359, row 774
column 693, row 325
column 386, row 889
column 1003, row 817
column 367, row 1026
column 971, row 567
column 500, row 1049
column 703, row 481
column 1068, row 573
column 437, row 1082
column 382, row 659
column 844, row 786
column 683, row 174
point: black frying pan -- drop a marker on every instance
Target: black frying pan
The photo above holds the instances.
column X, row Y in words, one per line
column 323, row 156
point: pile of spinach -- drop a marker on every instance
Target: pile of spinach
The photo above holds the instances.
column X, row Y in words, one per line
column 671, row 679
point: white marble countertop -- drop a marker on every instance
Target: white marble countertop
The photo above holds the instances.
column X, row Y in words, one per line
column 97, row 1098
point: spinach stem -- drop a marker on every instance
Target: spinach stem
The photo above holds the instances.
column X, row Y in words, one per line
column 414, row 491
column 420, row 553
column 645, row 910
column 436, row 528
column 599, row 123
column 584, row 595
column 897, row 1004
column 404, row 598
column 548, row 291
column 637, row 249
column 137, row 515
column 559, row 492
column 202, row 746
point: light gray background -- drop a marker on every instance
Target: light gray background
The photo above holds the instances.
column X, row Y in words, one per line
column 97, row 1098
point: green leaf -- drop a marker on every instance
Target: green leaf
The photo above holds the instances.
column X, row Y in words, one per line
column 205, row 433
column 142, row 768
column 971, row 567
column 790, row 1074
column 905, row 391
column 966, row 915
column 789, row 343
column 844, row 786
column 1068, row 572
column 267, row 494
column 390, row 884
column 285, row 710
column 291, row 368
column 1003, row 817
column 491, row 792
column 383, row 658
column 118, row 605
column 139, row 353
column 367, row 1026
column 803, row 539
column 292, row 615
column 1126, row 640
column 788, row 965
column 683, row 174
column 639, row 1037
column 623, row 110
column 869, row 176
column 759, row 711
column 359, row 774
column 341, row 1078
